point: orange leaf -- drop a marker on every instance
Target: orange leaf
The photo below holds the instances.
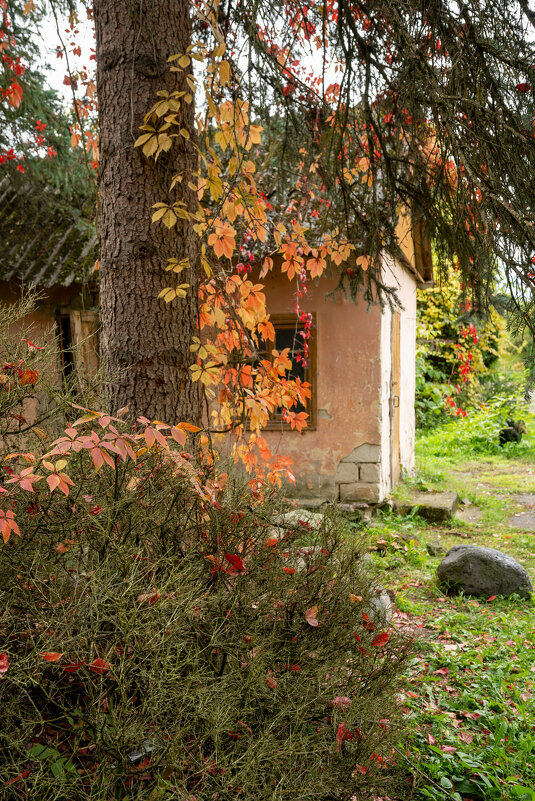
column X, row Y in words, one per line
column 51, row 656
column 28, row 377
column 311, row 616
column 99, row 665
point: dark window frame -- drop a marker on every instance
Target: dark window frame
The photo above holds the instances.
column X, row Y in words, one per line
column 291, row 322
column 65, row 342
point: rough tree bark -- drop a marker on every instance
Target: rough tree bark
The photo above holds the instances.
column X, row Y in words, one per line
column 144, row 341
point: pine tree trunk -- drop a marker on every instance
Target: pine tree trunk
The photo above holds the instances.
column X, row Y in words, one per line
column 144, row 341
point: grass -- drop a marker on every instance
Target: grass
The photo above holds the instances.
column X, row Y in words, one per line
column 469, row 697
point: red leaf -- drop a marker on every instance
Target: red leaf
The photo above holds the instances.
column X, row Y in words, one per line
column 431, row 740
column 74, row 667
column 289, row 570
column 492, row 598
column 31, row 345
column 381, row 639
column 51, row 656
column 99, row 665
column 235, row 561
column 524, row 87
column 360, row 769
column 4, row 663
column 271, row 543
column 311, row 616
column 19, row 777
column 447, row 749
column 271, row 682
column 340, row 731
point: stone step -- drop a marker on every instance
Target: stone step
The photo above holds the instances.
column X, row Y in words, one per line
column 436, row 507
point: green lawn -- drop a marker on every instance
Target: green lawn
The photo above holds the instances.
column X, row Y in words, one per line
column 469, row 698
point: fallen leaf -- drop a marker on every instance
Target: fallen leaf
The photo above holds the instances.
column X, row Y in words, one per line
column 74, row 667
column 235, row 561
column 19, row 777
column 311, row 616
column 51, row 656
column 99, row 665
column 465, row 737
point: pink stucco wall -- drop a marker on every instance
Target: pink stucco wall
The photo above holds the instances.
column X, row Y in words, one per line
column 348, row 380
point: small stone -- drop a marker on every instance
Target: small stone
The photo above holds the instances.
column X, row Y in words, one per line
column 379, row 607
column 483, row 572
column 436, row 507
column 434, row 549
column 314, row 519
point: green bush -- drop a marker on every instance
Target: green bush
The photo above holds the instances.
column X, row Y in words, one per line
column 167, row 635
column 478, row 434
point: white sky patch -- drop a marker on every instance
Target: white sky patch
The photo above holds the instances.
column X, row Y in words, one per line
column 49, row 39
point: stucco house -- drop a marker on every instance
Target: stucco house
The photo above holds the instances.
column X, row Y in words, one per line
column 51, row 248
column 362, row 371
column 362, row 358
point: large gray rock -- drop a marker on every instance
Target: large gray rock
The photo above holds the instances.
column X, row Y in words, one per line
column 482, row 571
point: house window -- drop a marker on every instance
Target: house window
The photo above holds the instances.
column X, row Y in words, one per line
column 66, row 354
column 287, row 328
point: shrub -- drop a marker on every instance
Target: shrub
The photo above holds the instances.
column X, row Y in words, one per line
column 168, row 635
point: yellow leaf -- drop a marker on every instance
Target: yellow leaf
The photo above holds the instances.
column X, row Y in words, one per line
column 354, row 598
column 224, row 72
column 184, row 61
column 60, row 465
column 29, row 7
column 169, row 218
column 184, row 133
column 181, row 290
column 177, row 266
column 150, row 148
column 167, row 294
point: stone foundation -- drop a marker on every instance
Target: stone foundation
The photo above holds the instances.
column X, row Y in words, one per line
column 358, row 475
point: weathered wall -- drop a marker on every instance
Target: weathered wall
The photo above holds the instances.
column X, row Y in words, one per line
column 347, row 456
column 405, row 285
column 340, row 458
column 40, row 325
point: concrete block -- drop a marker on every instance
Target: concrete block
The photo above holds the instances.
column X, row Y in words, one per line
column 436, row 507
column 359, row 492
column 370, row 473
column 365, row 453
column 347, row 473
